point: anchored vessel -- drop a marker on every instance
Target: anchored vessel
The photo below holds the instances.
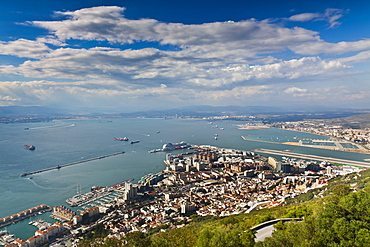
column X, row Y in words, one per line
column 30, row 147
column 121, row 138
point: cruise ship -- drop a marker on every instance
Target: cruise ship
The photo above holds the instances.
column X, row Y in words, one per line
column 173, row 146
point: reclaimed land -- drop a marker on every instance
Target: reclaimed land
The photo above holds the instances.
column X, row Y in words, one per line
column 359, row 150
column 313, row 157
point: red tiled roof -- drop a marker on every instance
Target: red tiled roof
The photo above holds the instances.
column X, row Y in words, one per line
column 51, row 228
column 20, row 241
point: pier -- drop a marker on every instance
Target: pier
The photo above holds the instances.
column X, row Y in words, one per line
column 69, row 164
column 313, row 157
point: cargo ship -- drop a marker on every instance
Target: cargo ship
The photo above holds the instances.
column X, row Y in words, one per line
column 132, row 142
column 30, row 147
column 121, row 138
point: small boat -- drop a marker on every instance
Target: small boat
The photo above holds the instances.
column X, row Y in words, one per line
column 30, row 147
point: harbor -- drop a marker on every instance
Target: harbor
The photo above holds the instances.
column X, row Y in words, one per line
column 98, row 195
column 70, row 164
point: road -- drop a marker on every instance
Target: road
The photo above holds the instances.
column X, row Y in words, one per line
column 263, row 233
column 266, row 228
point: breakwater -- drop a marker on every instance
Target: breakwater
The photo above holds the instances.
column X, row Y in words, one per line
column 313, row 157
column 70, row 164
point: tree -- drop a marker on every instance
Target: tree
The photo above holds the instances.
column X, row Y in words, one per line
column 137, row 239
column 341, row 190
column 225, row 236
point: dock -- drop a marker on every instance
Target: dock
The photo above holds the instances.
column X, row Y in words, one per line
column 69, row 164
column 313, row 157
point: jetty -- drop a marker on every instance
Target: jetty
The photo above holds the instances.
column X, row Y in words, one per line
column 70, row 164
column 313, row 157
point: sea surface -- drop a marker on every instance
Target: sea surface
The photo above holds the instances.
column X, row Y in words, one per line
column 65, row 141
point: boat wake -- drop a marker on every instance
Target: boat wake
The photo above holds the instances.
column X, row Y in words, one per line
column 40, row 186
column 52, row 126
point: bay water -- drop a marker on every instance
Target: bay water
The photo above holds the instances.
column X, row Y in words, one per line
column 64, row 141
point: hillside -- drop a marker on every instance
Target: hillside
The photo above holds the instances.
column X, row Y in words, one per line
column 358, row 121
column 334, row 215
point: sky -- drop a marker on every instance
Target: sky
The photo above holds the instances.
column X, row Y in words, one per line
column 134, row 55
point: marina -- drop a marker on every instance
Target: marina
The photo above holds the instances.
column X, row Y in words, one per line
column 98, row 196
column 40, row 224
column 82, row 199
column 70, row 164
column 6, row 238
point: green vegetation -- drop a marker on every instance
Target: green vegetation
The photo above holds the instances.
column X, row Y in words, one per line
column 339, row 220
column 333, row 216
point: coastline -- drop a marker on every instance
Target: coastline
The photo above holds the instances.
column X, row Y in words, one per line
column 252, row 127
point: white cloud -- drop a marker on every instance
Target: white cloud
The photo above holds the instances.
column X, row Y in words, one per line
column 24, row 48
column 298, row 92
column 313, row 48
column 151, row 67
column 358, row 58
column 8, row 98
column 330, row 95
column 220, row 61
column 330, row 15
column 304, row 17
column 108, row 23
column 233, row 40
column 295, row 90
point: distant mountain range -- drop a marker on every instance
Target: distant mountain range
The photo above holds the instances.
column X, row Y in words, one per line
column 262, row 112
column 41, row 111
